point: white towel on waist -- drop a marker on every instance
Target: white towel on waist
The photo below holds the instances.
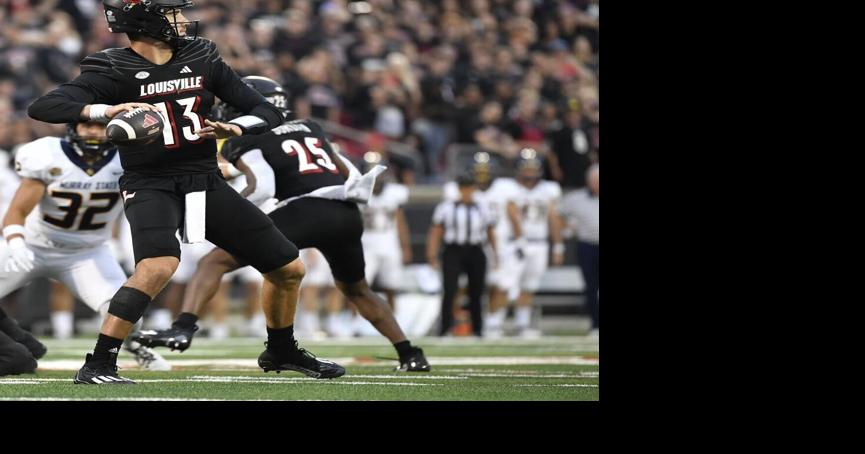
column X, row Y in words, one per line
column 194, row 218
column 359, row 190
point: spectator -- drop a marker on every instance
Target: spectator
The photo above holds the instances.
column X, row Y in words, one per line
column 489, row 133
column 581, row 210
column 570, row 144
column 435, row 63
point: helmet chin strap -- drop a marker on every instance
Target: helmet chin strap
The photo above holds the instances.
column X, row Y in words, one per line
column 78, row 149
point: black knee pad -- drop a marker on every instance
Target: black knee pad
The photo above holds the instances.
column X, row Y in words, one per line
column 129, row 304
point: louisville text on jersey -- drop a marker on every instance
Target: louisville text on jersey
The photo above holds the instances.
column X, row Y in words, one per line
column 172, row 86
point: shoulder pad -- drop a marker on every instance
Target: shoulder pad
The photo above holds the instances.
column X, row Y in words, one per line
column 450, row 191
column 200, row 48
column 33, row 160
column 314, row 127
column 113, row 61
column 553, row 189
column 400, row 193
column 98, row 62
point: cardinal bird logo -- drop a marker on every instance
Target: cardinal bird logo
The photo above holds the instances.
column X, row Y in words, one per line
column 149, row 120
column 129, row 4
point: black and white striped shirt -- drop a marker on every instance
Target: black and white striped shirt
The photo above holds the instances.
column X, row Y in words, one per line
column 464, row 224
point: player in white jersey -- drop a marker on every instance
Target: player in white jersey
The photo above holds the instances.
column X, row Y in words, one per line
column 533, row 221
column 68, row 196
column 386, row 241
column 318, row 285
column 8, row 182
column 502, row 288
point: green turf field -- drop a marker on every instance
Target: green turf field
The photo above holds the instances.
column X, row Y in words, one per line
column 551, row 368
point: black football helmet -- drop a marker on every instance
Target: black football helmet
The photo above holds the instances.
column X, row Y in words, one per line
column 93, row 148
column 151, row 18
column 269, row 88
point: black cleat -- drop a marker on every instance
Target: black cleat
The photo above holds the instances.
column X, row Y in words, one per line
column 37, row 349
column 99, row 374
column 414, row 362
column 175, row 338
column 300, row 361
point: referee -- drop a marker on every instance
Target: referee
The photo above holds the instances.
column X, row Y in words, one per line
column 465, row 227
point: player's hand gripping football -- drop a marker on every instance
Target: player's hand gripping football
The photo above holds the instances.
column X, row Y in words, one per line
column 112, row 111
column 218, row 130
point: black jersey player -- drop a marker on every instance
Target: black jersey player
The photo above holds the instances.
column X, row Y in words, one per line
column 174, row 183
column 296, row 164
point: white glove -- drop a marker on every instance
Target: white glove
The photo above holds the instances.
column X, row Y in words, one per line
column 20, row 257
column 360, row 189
column 520, row 245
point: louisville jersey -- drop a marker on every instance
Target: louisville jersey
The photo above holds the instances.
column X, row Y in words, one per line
column 379, row 214
column 80, row 201
column 534, row 208
column 299, row 154
column 183, row 90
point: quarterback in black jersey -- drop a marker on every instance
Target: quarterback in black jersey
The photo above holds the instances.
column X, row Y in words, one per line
column 296, row 164
column 174, row 183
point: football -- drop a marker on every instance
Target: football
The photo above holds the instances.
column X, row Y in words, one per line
column 135, row 127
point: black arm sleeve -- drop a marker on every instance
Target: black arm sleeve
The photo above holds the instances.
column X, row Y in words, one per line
column 63, row 104
column 235, row 147
column 227, row 85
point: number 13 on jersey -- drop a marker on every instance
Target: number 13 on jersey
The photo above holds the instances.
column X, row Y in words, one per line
column 170, row 134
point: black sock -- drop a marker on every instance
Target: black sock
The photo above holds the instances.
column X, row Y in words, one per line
column 185, row 320
column 403, row 348
column 281, row 340
column 10, row 327
column 106, row 349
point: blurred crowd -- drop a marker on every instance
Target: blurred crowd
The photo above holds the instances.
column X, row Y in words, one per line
column 499, row 74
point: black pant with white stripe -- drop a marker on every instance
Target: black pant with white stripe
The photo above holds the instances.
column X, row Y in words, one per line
column 456, row 260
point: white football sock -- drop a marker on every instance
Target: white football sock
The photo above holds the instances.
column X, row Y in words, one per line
column 523, row 317
column 61, row 323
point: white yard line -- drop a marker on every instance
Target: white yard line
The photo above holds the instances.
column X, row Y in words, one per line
column 87, row 343
column 525, row 376
column 179, row 399
column 349, row 361
column 215, row 379
column 565, row 385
